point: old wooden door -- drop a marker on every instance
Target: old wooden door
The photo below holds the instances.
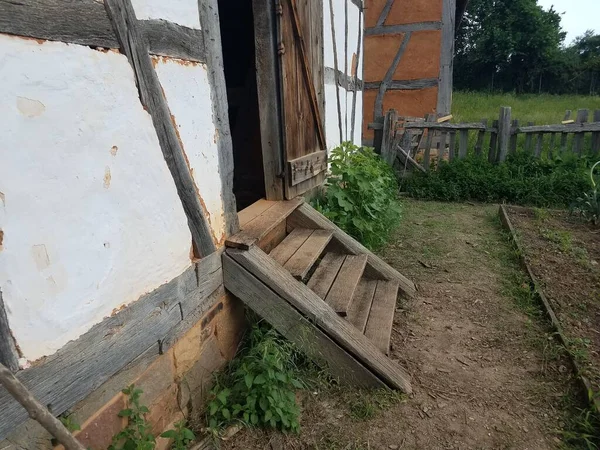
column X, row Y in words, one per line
column 302, row 91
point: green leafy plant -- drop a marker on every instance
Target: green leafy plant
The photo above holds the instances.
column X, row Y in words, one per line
column 181, row 435
column 361, row 195
column 588, row 205
column 137, row 434
column 258, row 389
column 584, row 431
column 70, row 423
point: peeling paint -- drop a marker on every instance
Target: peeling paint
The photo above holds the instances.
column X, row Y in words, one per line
column 2, row 199
column 113, row 150
column 1, row 240
column 107, row 177
column 30, row 107
column 40, row 256
column 156, row 59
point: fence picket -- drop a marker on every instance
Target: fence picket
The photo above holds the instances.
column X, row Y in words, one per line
column 582, row 117
column 503, row 132
column 442, row 147
column 539, row 145
column 480, row 136
column 564, row 136
column 551, row 145
column 463, row 143
column 596, row 135
column 513, row 136
column 528, row 137
column 452, row 146
column 493, row 142
column 427, row 154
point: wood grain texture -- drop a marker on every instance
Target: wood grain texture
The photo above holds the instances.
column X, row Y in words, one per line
column 85, row 22
column 293, row 241
column 582, row 117
column 290, row 323
column 308, row 217
column 381, row 316
column 305, row 257
column 343, row 288
column 444, row 100
column 135, row 47
column 503, row 132
column 596, row 135
column 358, row 81
column 402, row 28
column 463, row 143
column 209, row 21
column 322, row 316
column 306, row 167
column 575, row 128
column 358, row 313
column 269, row 102
column 253, row 211
column 323, row 278
column 273, row 238
column 81, row 366
column 493, row 149
column 336, row 70
column 8, row 351
column 261, row 225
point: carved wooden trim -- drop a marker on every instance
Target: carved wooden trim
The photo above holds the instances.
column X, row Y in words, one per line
column 306, row 167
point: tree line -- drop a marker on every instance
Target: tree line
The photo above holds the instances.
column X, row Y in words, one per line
column 517, row 46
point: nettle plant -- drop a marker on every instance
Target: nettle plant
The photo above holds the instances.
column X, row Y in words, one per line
column 588, row 206
column 361, row 195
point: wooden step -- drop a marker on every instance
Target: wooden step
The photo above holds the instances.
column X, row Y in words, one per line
column 305, row 257
column 358, row 313
column 381, row 317
column 341, row 292
column 292, row 242
column 323, row 278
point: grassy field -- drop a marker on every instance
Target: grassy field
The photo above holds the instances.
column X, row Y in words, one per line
column 542, row 109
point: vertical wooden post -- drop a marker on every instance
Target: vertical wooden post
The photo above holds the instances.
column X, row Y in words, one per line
column 442, row 147
column 564, row 136
column 513, row 136
column 452, row 145
column 551, row 145
column 528, row 138
column 388, row 154
column 582, row 117
column 503, row 132
column 480, row 135
column 463, row 143
column 8, row 350
column 427, row 153
column 596, row 135
column 378, row 135
column 493, row 142
column 539, row 145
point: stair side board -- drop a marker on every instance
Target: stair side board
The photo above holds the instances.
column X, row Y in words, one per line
column 322, row 316
column 305, row 216
column 258, row 227
column 307, row 255
column 327, row 270
column 358, row 313
column 296, row 328
column 344, row 286
column 381, row 317
column 290, row 244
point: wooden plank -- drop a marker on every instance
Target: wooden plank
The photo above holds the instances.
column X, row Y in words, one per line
column 551, row 145
column 8, row 351
column 85, row 22
column 567, row 118
column 358, row 86
column 269, row 105
column 514, row 135
column 122, row 17
column 404, row 157
column 582, row 117
column 81, row 366
column 528, row 138
column 306, row 167
column 493, row 143
column 442, row 146
column 596, row 135
column 503, row 132
column 341, row 292
column 262, row 224
column 452, row 146
column 444, row 118
column 427, row 153
column 402, row 85
column 463, row 143
column 388, row 153
column 288, row 321
column 305, row 257
column 480, row 136
column 445, row 126
column 403, row 28
column 539, row 145
column 575, row 128
column 444, row 101
column 253, row 211
column 358, row 313
column 308, row 217
column 293, row 241
column 273, row 238
column 321, row 315
column 381, row 317
column 336, row 68
column 323, row 278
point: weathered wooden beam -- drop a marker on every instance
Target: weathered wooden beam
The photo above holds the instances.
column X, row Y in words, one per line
column 480, row 136
column 359, row 83
column 574, row 128
column 447, row 126
column 493, row 142
column 388, row 152
column 311, row 306
column 403, row 28
column 596, row 135
column 307, row 166
column 336, row 70
column 405, row 157
column 400, row 85
column 8, row 351
column 582, row 117
column 290, row 323
column 378, row 108
column 85, row 22
column 503, row 132
column 134, row 46
column 444, row 101
column 81, row 366
column 514, row 135
column 463, row 143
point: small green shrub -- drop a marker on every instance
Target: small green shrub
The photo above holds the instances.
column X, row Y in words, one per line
column 137, row 434
column 588, row 206
column 181, row 435
column 361, row 195
column 259, row 387
column 522, row 179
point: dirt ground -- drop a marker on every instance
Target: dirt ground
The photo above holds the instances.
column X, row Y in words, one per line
column 485, row 372
column 563, row 253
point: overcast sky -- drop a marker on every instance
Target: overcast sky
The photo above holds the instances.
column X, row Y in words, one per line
column 579, row 15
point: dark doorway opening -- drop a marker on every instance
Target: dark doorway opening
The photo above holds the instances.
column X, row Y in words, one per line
column 237, row 36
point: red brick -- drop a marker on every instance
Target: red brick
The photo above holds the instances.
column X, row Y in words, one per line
column 98, row 430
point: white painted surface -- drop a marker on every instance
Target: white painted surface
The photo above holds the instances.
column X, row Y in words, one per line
column 188, row 94
column 91, row 217
column 183, row 12
column 340, row 39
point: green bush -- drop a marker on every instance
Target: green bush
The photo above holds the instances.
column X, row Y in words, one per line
column 361, row 195
column 522, row 179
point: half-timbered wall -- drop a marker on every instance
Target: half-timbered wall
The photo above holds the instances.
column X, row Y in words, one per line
column 409, row 46
column 343, row 61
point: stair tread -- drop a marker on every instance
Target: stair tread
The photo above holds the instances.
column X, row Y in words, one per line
column 358, row 313
column 305, row 257
column 292, row 242
column 341, row 292
column 381, row 317
column 323, row 278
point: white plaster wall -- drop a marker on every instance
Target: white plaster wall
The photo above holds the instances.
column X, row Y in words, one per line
column 89, row 210
column 183, row 12
column 188, row 94
column 339, row 23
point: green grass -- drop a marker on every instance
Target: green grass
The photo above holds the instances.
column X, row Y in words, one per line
column 542, row 109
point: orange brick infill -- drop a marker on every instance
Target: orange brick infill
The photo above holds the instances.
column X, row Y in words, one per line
column 97, row 432
column 164, row 410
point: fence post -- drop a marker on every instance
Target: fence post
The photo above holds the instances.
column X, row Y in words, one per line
column 582, row 117
column 596, row 136
column 503, row 132
column 388, row 153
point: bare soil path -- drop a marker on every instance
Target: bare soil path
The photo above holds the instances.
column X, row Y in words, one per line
column 486, row 372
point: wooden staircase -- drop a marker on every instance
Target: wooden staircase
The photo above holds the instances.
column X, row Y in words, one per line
column 297, row 264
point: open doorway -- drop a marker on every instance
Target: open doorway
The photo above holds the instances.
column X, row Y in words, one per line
column 237, row 36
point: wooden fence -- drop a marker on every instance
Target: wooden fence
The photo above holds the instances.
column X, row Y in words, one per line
column 422, row 141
